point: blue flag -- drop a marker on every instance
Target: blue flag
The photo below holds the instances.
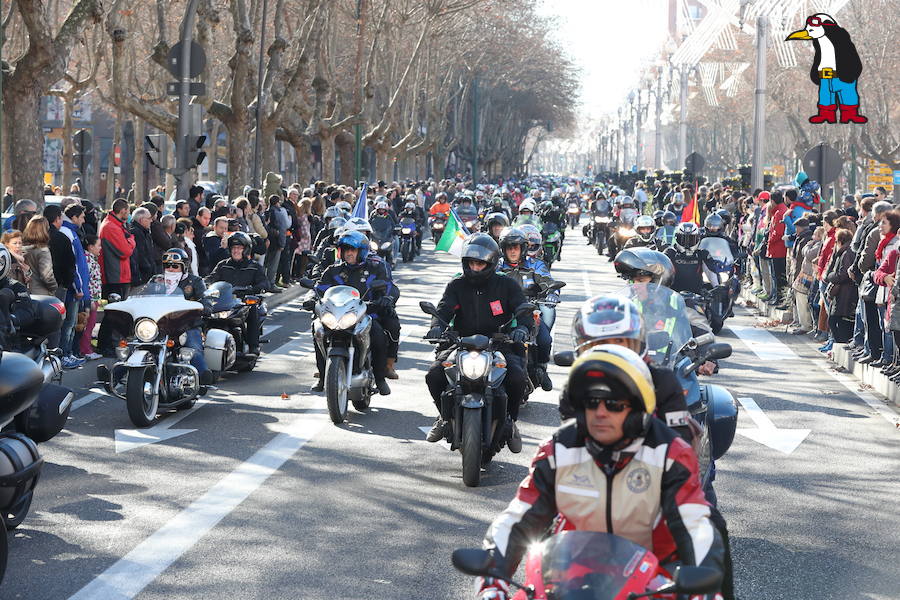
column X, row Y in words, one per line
column 362, row 205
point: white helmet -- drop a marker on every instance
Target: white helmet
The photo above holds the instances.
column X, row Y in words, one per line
column 382, row 206
column 687, row 237
column 527, row 205
column 644, row 222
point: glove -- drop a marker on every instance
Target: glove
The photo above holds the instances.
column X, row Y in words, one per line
column 519, row 335
column 492, row 589
column 308, row 304
column 434, row 333
column 384, row 302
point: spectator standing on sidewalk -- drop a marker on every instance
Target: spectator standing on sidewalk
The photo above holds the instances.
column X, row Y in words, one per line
column 69, row 283
column 35, row 250
column 840, row 289
column 95, row 287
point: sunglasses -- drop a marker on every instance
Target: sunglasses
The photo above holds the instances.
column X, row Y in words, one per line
column 817, row 22
column 172, row 266
column 612, row 405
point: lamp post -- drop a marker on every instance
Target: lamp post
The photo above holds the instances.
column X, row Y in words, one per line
column 682, row 119
column 259, row 93
column 759, row 113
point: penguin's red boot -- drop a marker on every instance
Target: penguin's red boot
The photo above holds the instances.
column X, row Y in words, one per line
column 827, row 114
column 850, row 114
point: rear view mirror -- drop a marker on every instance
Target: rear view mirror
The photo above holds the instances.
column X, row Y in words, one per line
column 472, row 561
column 428, row 308
column 717, row 351
column 306, row 282
column 564, row 359
column 697, row 580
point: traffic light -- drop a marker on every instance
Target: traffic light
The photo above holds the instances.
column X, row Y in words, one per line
column 82, row 145
column 744, row 170
column 155, row 144
column 196, row 154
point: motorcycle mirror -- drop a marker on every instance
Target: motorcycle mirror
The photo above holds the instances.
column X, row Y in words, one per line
column 313, row 259
column 428, row 308
column 717, row 351
column 706, row 338
column 114, row 298
column 472, row 561
column 564, row 359
column 378, row 285
column 525, row 308
column 557, row 285
column 697, row 580
column 306, row 282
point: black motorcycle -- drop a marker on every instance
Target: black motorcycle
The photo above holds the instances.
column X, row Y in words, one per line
column 230, row 308
column 437, row 223
column 408, row 233
column 474, row 404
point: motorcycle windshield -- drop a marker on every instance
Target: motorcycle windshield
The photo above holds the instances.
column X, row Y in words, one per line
column 667, row 326
column 341, row 295
column 585, row 565
column 720, row 251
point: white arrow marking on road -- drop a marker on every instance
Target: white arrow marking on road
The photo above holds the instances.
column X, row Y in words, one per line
column 783, row 440
column 129, row 439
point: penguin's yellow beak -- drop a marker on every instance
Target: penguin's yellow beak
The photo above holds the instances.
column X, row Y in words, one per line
column 799, row 35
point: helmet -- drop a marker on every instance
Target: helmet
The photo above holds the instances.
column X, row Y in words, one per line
column 546, row 207
column 5, row 262
column 535, row 240
column 687, row 236
column 480, row 246
column 557, row 193
column 344, row 206
column 658, row 217
column 527, row 205
column 382, row 205
column 609, row 371
column 726, row 216
column 358, row 224
column 678, row 198
column 354, row 239
column 175, row 256
column 336, row 223
column 239, row 238
column 513, row 237
column 633, row 262
column 380, row 198
column 645, row 222
column 605, row 317
column 669, row 218
column 411, row 198
column 626, row 202
column 410, row 206
column 496, row 219
column 714, row 224
column 331, row 212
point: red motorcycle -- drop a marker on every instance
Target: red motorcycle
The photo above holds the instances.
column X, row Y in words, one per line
column 586, row 565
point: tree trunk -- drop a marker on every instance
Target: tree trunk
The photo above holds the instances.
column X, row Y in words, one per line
column 26, row 138
column 346, row 150
column 110, row 166
column 381, row 165
column 327, row 142
column 68, row 145
column 239, row 149
column 140, row 182
column 268, row 157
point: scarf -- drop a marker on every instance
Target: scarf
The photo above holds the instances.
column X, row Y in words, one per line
column 879, row 252
column 171, row 280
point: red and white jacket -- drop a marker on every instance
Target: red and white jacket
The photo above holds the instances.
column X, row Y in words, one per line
column 653, row 498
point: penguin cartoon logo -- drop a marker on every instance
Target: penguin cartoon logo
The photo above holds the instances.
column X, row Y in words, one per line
column 836, row 68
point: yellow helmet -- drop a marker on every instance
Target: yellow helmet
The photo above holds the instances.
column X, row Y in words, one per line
column 612, row 368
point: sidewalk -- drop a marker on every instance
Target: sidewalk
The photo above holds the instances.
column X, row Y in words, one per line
column 869, row 376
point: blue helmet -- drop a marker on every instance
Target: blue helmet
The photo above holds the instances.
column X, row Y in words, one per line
column 355, row 239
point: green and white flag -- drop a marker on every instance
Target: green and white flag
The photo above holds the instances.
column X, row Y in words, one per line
column 453, row 237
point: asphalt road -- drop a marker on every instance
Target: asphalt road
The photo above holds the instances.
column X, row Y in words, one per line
column 255, row 494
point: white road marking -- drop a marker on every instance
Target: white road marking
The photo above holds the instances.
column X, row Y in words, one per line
column 129, row 439
column 587, row 284
column 136, row 570
column 267, row 329
column 783, row 440
column 853, row 384
column 86, row 399
column 765, row 345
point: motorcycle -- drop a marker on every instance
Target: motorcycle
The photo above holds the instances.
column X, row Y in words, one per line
column 545, row 311
column 153, row 373
column 552, row 243
column 341, row 332
column 474, row 406
column 573, row 213
column 588, row 565
column 623, row 231
column 470, row 222
column 726, row 285
column 437, row 223
column 382, row 244
column 600, row 232
column 407, row 238
column 225, row 328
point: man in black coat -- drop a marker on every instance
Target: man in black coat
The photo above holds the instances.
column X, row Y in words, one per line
column 143, row 259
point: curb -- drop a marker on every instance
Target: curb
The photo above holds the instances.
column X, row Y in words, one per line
column 839, row 355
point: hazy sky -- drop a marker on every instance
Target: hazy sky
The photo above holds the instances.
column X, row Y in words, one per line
column 610, row 40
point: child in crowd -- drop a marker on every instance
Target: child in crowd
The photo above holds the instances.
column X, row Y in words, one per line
column 92, row 252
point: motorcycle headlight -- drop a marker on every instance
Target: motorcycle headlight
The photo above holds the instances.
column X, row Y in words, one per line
column 222, row 314
column 724, row 277
column 329, row 320
column 186, row 354
column 474, row 365
column 406, row 231
column 373, row 246
column 470, row 224
column 146, row 330
column 386, row 246
column 122, row 353
column 438, row 226
column 348, row 320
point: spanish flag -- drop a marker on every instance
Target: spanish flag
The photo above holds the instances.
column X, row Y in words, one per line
column 691, row 211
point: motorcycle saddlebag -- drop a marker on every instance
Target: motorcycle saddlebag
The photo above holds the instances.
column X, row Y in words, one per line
column 219, row 350
column 47, row 416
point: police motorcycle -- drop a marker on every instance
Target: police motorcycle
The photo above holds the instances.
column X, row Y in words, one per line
column 724, row 282
column 573, row 212
column 670, row 343
column 341, row 331
column 472, row 405
column 225, row 326
column 153, row 371
column 407, row 238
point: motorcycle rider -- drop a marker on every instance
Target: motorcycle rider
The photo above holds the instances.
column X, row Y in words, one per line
column 665, row 235
column 676, row 206
column 688, row 258
column 383, row 223
column 176, row 276
column 357, row 269
column 531, row 273
column 246, row 275
column 714, row 226
column 440, row 206
column 495, row 223
column 595, row 473
column 411, row 211
column 645, row 228
column 527, row 215
column 481, row 301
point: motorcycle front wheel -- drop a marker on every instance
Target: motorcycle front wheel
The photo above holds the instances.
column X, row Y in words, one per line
column 471, row 446
column 140, row 397
column 336, row 389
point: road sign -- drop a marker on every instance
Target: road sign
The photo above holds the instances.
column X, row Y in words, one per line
column 694, row 163
column 195, row 88
column 198, row 60
column 823, row 164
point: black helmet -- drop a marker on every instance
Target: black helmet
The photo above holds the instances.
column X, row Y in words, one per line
column 545, row 207
column 497, row 218
column 514, row 237
column 480, row 246
column 658, row 217
column 633, row 262
column 687, row 236
column 5, row 262
column 239, row 238
column 714, row 224
column 176, row 256
column 669, row 218
column 726, row 216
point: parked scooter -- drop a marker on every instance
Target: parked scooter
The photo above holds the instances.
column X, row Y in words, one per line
column 588, row 565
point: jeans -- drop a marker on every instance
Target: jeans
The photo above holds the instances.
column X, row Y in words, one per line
column 874, row 335
column 195, row 340
column 544, row 344
column 859, row 328
column 834, row 91
column 272, row 261
column 887, row 339
column 67, row 329
column 86, row 347
column 841, row 328
column 779, row 275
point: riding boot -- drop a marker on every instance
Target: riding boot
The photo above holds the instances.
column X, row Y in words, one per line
column 389, row 371
column 850, row 114
column 827, row 114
